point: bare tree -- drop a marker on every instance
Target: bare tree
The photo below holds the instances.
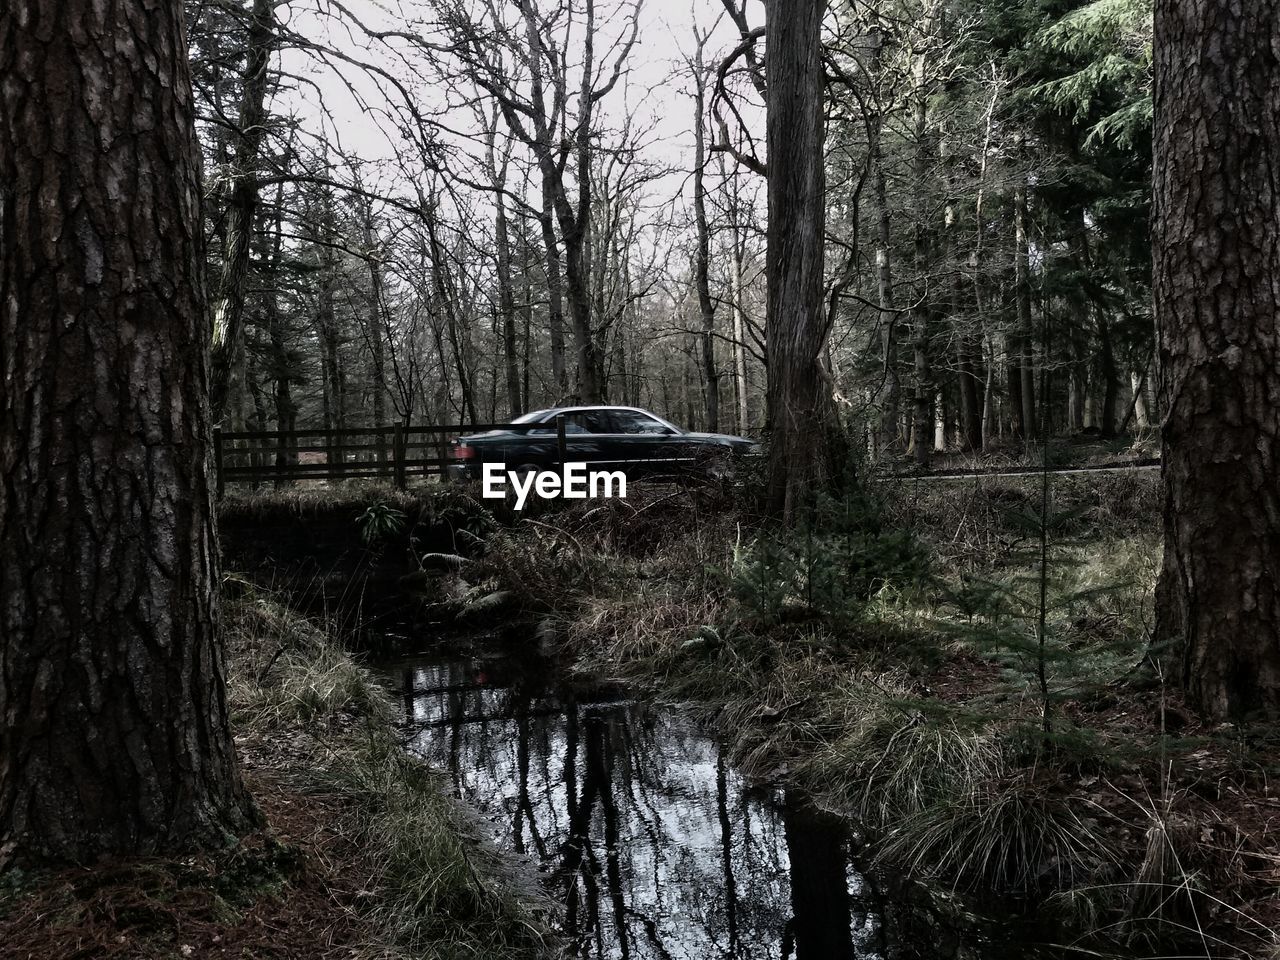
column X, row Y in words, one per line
column 228, row 309
column 702, row 258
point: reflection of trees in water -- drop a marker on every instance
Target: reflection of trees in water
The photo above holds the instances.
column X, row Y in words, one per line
column 654, row 846
column 820, row 924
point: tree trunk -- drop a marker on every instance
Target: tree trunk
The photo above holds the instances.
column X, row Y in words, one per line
column 555, row 291
column 890, row 390
column 970, row 386
column 924, row 386
column 739, row 346
column 502, row 256
column 114, row 733
column 702, row 260
column 804, row 443
column 1110, row 376
column 1013, row 377
column 228, row 311
column 282, row 362
column 1217, row 302
column 507, row 309
column 375, row 334
column 1138, row 382
column 1025, row 411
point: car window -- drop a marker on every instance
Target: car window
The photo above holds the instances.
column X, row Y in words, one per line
column 586, row 421
column 577, row 422
column 633, row 421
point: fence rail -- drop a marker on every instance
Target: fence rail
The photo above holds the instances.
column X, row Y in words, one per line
column 394, row 451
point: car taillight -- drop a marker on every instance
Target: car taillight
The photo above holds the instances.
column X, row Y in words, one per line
column 462, row 452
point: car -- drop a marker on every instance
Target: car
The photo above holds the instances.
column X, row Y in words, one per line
column 635, row 441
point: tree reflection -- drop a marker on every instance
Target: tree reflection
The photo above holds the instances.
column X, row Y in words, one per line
column 816, row 847
column 655, row 848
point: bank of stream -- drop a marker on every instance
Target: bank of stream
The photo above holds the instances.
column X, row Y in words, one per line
column 649, row 841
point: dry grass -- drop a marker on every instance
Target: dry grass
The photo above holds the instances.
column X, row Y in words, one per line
column 439, row 891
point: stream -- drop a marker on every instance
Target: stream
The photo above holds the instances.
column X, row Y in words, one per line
column 653, row 847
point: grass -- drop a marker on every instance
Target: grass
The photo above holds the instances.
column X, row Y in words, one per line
column 917, row 709
column 439, row 892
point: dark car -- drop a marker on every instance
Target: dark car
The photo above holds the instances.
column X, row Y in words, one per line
column 634, row 441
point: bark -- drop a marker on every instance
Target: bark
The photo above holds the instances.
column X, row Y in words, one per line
column 804, row 450
column 448, row 302
column 1138, row 382
column 969, row 384
column 228, row 310
column 332, row 375
column 1076, row 349
column 1013, row 376
column 1217, row 302
column 990, row 417
column 575, row 229
column 1077, row 388
column 526, row 315
column 572, row 211
column 114, row 733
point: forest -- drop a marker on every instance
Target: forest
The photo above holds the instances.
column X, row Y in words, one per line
column 935, row 612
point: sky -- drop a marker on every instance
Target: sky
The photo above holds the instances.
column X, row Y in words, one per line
column 656, row 85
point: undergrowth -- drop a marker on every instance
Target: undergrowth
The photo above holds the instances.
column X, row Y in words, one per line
column 438, row 891
column 897, row 659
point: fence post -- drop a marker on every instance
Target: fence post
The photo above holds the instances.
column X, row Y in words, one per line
column 397, row 455
column 219, row 482
column 561, row 445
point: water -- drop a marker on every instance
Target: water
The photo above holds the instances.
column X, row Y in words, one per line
column 651, row 844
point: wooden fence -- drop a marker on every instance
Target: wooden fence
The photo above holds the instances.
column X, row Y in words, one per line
column 395, row 452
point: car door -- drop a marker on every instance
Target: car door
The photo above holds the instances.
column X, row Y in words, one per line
column 585, row 435
column 641, row 443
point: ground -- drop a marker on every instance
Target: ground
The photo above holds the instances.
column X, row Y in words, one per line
column 293, row 889
column 361, row 853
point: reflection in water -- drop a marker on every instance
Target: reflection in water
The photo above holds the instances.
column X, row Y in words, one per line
column 651, row 842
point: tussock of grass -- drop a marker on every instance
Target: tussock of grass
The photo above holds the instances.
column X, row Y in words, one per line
column 1003, row 834
column 291, row 671
column 892, row 761
column 443, row 894
column 438, row 891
